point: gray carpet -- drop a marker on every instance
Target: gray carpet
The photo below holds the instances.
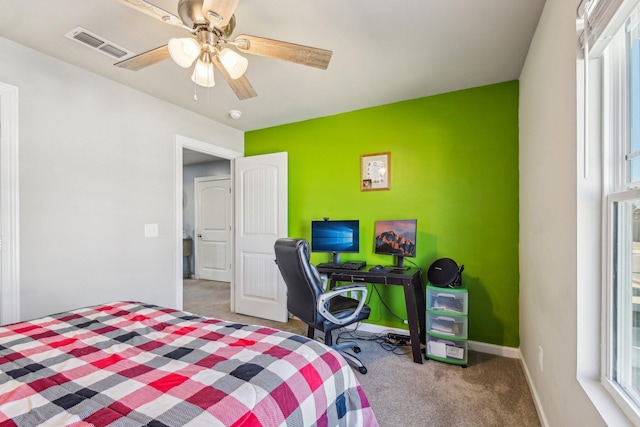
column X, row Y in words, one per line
column 491, row 391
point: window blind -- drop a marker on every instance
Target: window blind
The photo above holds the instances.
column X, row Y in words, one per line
column 605, row 18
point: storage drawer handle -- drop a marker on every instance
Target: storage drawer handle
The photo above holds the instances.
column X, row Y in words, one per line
column 447, row 295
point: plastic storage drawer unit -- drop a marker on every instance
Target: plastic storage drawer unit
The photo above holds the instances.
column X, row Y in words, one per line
column 449, row 351
column 447, row 300
column 446, row 325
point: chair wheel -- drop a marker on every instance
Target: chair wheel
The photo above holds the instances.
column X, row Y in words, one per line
column 362, row 370
column 357, row 349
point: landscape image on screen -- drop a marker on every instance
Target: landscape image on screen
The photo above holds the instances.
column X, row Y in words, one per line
column 396, row 237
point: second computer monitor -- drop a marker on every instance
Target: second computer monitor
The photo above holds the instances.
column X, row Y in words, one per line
column 396, row 237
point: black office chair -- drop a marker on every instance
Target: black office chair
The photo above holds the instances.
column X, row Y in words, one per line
column 308, row 300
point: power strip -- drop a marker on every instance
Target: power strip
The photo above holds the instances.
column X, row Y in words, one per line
column 395, row 336
column 399, row 338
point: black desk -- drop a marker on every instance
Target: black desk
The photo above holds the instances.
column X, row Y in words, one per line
column 410, row 280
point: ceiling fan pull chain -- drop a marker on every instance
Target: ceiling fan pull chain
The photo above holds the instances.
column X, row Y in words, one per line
column 195, row 92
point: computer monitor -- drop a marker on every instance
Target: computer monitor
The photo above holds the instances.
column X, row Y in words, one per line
column 335, row 236
column 396, row 237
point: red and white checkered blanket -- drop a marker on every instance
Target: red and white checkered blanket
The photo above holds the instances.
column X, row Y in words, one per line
column 133, row 364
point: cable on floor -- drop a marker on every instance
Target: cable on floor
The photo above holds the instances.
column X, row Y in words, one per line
column 385, row 339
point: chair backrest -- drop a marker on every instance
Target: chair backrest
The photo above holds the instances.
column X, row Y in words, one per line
column 303, row 281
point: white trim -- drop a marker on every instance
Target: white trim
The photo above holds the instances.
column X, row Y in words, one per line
column 497, row 350
column 206, row 148
column 611, row 401
column 537, row 402
column 376, row 329
column 9, row 205
column 604, row 402
column 178, row 207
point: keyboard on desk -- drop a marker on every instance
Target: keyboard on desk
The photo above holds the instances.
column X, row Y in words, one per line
column 351, row 266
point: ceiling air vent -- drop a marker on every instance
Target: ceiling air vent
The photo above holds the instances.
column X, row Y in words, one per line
column 98, row 43
column 110, row 49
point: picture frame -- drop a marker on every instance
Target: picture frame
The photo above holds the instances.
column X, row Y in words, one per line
column 375, row 171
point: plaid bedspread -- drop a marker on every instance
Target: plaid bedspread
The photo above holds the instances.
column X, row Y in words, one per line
column 132, row 364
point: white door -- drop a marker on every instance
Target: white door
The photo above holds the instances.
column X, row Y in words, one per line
column 213, row 228
column 261, row 204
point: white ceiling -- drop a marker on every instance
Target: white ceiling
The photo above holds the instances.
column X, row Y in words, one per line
column 383, row 51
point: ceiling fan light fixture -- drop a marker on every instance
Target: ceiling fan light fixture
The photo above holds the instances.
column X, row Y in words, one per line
column 210, row 24
column 184, row 51
column 203, row 71
column 235, row 64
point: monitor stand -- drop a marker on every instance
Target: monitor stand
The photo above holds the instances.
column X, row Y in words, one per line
column 399, row 264
column 336, row 258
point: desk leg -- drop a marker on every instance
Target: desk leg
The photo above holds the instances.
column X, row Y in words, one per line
column 415, row 332
column 421, row 306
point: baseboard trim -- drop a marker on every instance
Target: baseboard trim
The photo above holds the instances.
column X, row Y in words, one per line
column 376, row 329
column 534, row 393
column 497, row 350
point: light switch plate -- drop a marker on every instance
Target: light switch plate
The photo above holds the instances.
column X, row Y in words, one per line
column 151, row 230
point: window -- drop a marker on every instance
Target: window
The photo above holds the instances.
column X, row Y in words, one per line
column 621, row 138
column 623, row 369
column 633, row 59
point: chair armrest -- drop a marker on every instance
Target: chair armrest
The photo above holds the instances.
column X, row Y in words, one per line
column 325, row 297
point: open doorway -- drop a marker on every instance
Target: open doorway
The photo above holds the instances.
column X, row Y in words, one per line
column 195, row 159
column 266, row 298
column 207, row 218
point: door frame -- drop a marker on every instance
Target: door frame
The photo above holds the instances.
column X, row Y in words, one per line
column 9, row 205
column 205, row 148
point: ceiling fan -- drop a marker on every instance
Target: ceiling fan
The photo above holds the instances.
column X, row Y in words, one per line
column 211, row 23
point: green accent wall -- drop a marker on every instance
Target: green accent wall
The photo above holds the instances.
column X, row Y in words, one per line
column 454, row 167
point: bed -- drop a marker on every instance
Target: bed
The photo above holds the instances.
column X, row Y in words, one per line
column 133, row 364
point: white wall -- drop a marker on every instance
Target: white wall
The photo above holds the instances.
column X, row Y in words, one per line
column 96, row 164
column 559, row 232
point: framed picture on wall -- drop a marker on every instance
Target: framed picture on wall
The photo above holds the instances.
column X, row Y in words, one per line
column 375, row 171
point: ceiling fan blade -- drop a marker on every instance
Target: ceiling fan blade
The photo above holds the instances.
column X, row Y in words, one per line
column 240, row 86
column 145, row 59
column 223, row 8
column 153, row 11
column 299, row 54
